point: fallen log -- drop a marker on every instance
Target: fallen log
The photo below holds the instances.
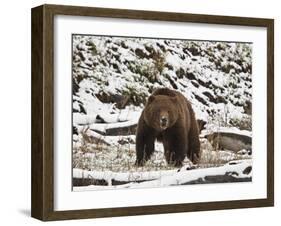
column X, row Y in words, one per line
column 78, row 182
column 118, row 131
column 234, row 171
column 130, row 129
column 218, row 179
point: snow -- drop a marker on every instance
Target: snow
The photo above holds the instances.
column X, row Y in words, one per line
column 107, row 79
column 191, row 175
column 215, row 77
column 222, row 129
column 127, row 176
column 81, row 119
column 166, row 178
column 103, row 127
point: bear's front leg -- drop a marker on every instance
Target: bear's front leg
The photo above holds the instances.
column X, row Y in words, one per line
column 176, row 148
column 167, row 152
column 140, row 149
column 149, row 146
column 145, row 138
column 179, row 156
column 145, row 148
column 193, row 152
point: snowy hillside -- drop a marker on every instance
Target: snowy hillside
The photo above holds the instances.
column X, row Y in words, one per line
column 113, row 76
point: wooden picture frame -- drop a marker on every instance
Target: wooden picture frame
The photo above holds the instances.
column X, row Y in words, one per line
column 42, row 203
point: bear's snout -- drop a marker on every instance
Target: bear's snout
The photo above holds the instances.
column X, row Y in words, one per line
column 164, row 122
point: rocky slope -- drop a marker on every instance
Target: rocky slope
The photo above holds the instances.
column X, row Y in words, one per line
column 112, row 78
column 214, row 76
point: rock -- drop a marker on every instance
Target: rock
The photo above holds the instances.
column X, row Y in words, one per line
column 161, row 47
column 74, row 130
column 210, row 96
column 230, row 141
column 120, row 131
column 180, row 73
column 200, row 99
column 141, row 54
column 170, row 67
column 172, row 82
column 201, row 124
column 126, row 141
column 195, row 83
column 124, row 45
column 190, row 76
column 247, row 170
column 248, row 107
column 120, row 100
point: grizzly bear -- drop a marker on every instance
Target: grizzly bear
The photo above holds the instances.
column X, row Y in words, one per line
column 169, row 118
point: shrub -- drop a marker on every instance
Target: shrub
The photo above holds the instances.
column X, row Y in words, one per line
column 245, row 123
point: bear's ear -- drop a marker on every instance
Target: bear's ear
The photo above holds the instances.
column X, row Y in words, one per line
column 150, row 99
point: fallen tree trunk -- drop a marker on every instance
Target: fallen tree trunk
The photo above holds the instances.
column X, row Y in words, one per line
column 206, row 180
column 130, row 129
column 99, row 182
column 234, row 171
column 219, row 179
column 118, row 131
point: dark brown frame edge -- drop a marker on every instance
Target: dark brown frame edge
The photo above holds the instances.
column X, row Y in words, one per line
column 42, row 197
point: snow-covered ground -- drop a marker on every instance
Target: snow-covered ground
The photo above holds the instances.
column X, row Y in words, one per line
column 112, row 78
column 240, row 170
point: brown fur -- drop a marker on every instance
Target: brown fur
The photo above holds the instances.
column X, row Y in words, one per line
column 169, row 118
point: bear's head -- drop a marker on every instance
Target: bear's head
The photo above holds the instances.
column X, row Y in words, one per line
column 161, row 112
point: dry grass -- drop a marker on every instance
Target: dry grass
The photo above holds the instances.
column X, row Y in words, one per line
column 95, row 154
